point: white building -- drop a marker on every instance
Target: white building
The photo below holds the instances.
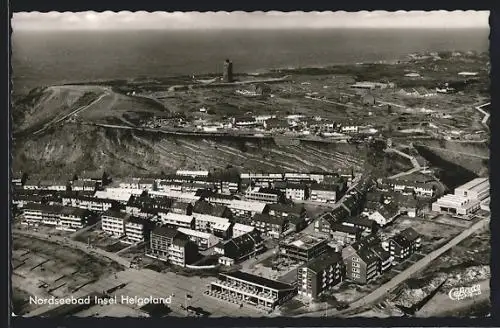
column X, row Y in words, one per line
column 349, row 129
column 456, row 205
column 477, row 189
column 88, row 203
column 204, row 240
column 121, row 195
column 241, row 229
column 296, row 191
column 193, row 174
column 178, row 220
column 213, row 224
column 187, row 197
column 241, row 208
column 135, row 230
column 113, row 223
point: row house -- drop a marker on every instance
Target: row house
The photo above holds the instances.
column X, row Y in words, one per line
column 187, row 197
column 169, row 245
column 218, row 226
column 245, row 210
column 177, row 220
column 220, row 199
column 144, row 205
column 184, row 208
column 366, row 225
column 88, row 203
column 323, row 193
column 62, row 217
column 242, row 247
column 204, row 240
column 204, row 207
column 21, row 201
column 128, row 228
column 385, row 214
column 82, row 185
column 270, row 226
column 420, row 189
column 320, row 275
column 404, row 245
column 265, row 195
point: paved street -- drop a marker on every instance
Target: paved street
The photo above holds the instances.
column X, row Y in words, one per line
column 404, row 275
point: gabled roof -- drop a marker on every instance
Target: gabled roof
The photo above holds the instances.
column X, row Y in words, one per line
column 290, row 209
column 324, row 261
column 344, row 228
column 361, row 221
column 266, row 218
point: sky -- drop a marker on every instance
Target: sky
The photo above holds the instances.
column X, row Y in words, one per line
column 53, row 21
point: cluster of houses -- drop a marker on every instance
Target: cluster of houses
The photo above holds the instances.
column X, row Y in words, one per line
column 230, row 215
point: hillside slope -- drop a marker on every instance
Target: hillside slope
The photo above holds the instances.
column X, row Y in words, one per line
column 72, row 149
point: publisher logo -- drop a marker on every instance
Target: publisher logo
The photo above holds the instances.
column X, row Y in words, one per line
column 461, row 293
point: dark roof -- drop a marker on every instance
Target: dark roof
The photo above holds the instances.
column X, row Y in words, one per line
column 79, row 212
column 242, row 245
column 290, row 185
column 296, row 219
column 410, row 234
column 115, row 214
column 223, row 196
column 367, row 255
column 273, row 284
column 388, row 210
column 43, row 208
column 361, row 221
column 290, row 209
column 374, row 196
column 180, row 241
column 181, row 205
column 204, row 207
column 324, row 260
column 381, row 253
column 401, row 241
column 272, row 191
column 367, row 242
column 166, row 232
column 343, row 228
column 324, row 187
column 268, row 219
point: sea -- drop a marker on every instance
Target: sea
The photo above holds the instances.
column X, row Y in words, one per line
column 41, row 58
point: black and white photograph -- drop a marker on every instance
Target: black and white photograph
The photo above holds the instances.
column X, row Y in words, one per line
column 250, row 164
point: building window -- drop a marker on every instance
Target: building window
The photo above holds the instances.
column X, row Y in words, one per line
column 355, row 270
column 355, row 259
column 355, row 265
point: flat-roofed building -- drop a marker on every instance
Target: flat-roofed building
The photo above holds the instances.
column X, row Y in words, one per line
column 244, row 288
column 459, row 206
column 177, row 220
column 170, row 245
column 295, row 191
column 204, row 240
column 320, row 274
column 344, row 234
column 137, row 230
column 193, row 174
column 62, row 217
column 323, row 193
column 187, row 197
column 246, row 210
column 88, row 203
column 303, row 248
column 264, row 195
column 476, row 189
column 113, row 222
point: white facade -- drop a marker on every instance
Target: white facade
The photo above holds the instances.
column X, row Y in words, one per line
column 350, row 129
column 241, row 229
column 205, row 222
column 192, row 173
column 456, row 205
column 202, row 239
column 179, row 220
column 295, row 193
column 113, row 225
column 188, row 197
column 134, row 232
column 380, row 219
column 477, row 189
